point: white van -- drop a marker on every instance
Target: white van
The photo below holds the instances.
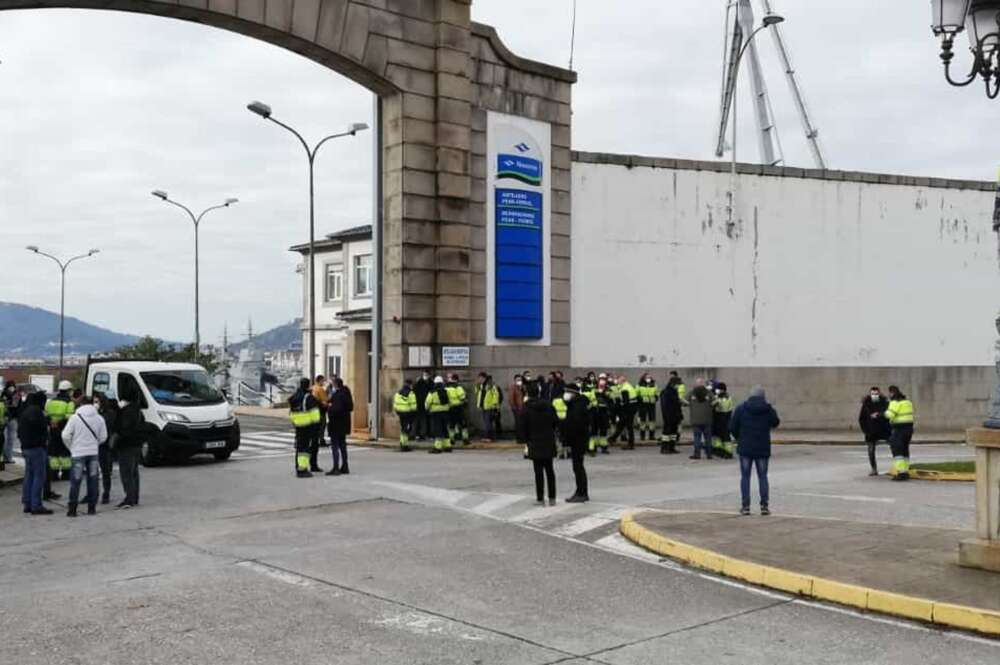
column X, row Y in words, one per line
column 180, row 399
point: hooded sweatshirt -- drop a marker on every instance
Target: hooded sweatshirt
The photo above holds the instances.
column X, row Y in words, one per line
column 752, row 423
column 85, row 431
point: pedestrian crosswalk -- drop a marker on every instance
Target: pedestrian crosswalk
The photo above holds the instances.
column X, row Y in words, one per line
column 260, row 445
column 592, row 523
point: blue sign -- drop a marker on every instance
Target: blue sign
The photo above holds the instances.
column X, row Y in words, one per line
column 520, row 268
column 523, row 169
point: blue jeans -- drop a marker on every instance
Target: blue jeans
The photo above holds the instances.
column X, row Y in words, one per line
column 489, row 422
column 36, row 463
column 765, row 489
column 87, row 464
column 702, row 439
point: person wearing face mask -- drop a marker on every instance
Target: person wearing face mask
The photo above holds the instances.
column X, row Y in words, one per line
column 900, row 415
column 722, row 443
column 489, row 397
column 539, row 430
column 576, row 433
column 647, row 407
column 874, row 424
column 438, row 406
column 602, row 415
column 422, row 425
column 630, row 404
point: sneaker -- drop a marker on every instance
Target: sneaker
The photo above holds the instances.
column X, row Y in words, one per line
column 539, row 503
column 744, row 511
column 41, row 511
column 91, row 510
column 552, row 502
column 576, row 498
column 764, row 510
column 872, row 473
column 124, row 505
column 333, row 472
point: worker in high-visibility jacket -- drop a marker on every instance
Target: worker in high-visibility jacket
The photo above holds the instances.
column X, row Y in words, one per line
column 722, row 440
column 303, row 411
column 59, row 409
column 900, row 415
column 679, row 386
column 589, row 393
column 559, row 404
column 457, row 402
column 489, row 397
column 648, row 396
column 602, row 415
column 438, row 405
column 630, row 404
column 405, row 406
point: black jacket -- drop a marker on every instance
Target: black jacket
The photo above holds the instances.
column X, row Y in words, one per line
column 670, row 407
column 877, row 428
column 576, row 428
column 422, row 388
column 13, row 401
column 32, row 423
column 538, row 428
column 339, row 415
column 133, row 430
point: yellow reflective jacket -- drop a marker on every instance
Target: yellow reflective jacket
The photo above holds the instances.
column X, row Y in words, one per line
column 900, row 412
column 405, row 403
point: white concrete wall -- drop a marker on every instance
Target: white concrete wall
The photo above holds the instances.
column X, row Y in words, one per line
column 815, row 273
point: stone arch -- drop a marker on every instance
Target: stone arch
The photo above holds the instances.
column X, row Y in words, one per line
column 437, row 75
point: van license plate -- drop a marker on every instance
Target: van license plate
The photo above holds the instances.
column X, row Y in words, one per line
column 209, row 445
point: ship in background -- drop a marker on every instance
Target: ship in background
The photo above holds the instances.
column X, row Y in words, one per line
column 253, row 375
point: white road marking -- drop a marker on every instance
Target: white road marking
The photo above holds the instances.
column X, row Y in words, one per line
column 496, row 504
column 589, row 523
column 280, row 575
column 619, row 544
column 425, row 624
column 435, row 494
column 258, row 443
column 540, row 513
column 847, row 497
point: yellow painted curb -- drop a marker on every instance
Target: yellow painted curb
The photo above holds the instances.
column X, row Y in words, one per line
column 863, row 598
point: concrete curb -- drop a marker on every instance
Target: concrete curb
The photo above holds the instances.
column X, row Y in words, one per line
column 9, row 478
column 863, row 598
column 943, row 476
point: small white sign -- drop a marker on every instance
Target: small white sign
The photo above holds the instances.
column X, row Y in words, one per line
column 46, row 382
column 454, row 356
column 421, row 356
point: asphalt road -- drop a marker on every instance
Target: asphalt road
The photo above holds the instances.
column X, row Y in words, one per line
column 440, row 559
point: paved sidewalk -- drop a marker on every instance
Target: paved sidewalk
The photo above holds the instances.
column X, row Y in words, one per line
column 12, row 474
column 912, row 561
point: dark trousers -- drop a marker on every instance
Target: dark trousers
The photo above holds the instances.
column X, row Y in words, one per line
column 422, row 426
column 647, row 418
column 746, row 465
column 106, row 461
column 36, row 464
column 338, row 447
column 544, row 466
column 489, row 423
column 626, row 423
column 900, row 440
column 88, row 467
column 303, row 446
column 128, row 469
column 579, row 472
column 406, row 421
column 315, row 436
column 872, row 446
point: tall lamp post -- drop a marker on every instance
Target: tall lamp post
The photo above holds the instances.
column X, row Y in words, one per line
column 982, row 18
column 264, row 111
column 63, row 265
column 160, row 194
column 766, row 22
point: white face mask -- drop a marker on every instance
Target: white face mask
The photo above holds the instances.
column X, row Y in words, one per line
column 876, row 396
column 568, row 396
column 518, row 382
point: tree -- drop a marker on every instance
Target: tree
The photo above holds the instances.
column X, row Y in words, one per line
column 150, row 348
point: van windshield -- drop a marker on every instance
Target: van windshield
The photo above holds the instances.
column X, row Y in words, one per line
column 182, row 387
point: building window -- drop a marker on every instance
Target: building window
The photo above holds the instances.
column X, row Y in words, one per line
column 363, row 276
column 334, row 283
column 334, row 366
column 102, row 384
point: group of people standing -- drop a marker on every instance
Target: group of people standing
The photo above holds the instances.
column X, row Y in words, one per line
column 77, row 438
column 318, row 407
column 889, row 420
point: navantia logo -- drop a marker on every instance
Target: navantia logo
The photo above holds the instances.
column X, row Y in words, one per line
column 522, row 147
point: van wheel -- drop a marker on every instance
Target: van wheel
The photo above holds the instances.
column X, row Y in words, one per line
column 222, row 455
column 149, row 455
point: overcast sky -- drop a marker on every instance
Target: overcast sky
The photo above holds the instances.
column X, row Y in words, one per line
column 98, row 108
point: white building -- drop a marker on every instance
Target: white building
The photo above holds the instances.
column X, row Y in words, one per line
column 344, row 285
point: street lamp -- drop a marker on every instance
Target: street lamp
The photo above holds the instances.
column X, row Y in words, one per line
column 162, row 195
column 264, row 111
column 62, row 299
column 982, row 18
column 766, row 22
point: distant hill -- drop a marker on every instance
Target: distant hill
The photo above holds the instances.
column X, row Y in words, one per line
column 32, row 332
column 275, row 339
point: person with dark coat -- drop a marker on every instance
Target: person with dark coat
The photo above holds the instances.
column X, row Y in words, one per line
column 576, row 435
column 303, row 411
column 673, row 416
column 538, row 428
column 108, row 408
column 133, row 430
column 701, row 402
column 874, row 424
column 751, row 426
column 33, row 431
column 339, row 423
column 422, row 426
column 8, row 431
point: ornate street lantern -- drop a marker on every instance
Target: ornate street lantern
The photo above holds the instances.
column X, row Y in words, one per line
column 982, row 18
